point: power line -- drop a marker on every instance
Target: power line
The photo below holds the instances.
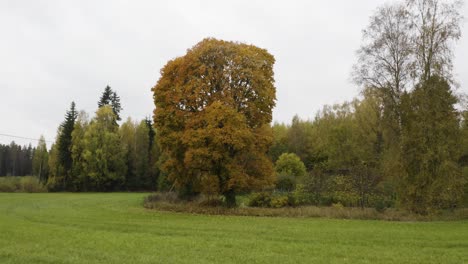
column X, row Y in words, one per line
column 13, row 136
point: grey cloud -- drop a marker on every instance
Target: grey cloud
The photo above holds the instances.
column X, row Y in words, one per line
column 53, row 52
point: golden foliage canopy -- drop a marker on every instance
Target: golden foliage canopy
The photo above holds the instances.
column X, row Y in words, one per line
column 213, row 110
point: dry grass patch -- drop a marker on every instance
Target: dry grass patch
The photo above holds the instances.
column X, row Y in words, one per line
column 169, row 202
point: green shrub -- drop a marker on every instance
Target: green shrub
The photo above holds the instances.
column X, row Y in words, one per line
column 380, row 206
column 318, row 186
column 211, row 202
column 271, row 200
column 280, row 201
column 7, row 184
column 300, row 196
column 32, row 185
column 262, row 199
column 465, row 195
column 291, row 164
column 53, row 185
column 21, row 184
column 343, row 191
column 285, row 183
column 163, row 184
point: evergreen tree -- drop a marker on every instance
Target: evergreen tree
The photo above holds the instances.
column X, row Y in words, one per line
column 106, row 97
column 64, row 142
column 29, row 157
column 15, row 160
column 116, row 107
column 151, row 132
column 111, row 98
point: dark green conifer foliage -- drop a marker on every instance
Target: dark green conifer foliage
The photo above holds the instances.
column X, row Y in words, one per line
column 105, row 97
column 65, row 141
column 151, row 132
column 116, row 107
column 111, row 98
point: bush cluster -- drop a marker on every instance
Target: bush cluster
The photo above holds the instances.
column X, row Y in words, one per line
column 271, row 200
column 28, row 184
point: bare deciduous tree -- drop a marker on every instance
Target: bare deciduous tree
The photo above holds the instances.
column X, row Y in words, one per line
column 404, row 44
column 436, row 26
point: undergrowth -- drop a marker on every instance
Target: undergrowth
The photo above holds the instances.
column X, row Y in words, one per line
column 28, row 184
column 170, row 202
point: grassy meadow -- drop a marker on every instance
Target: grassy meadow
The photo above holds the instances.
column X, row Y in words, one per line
column 115, row 228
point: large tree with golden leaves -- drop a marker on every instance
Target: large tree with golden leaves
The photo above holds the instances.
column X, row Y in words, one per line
column 213, row 113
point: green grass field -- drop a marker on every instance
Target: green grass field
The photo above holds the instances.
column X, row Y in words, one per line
column 115, row 228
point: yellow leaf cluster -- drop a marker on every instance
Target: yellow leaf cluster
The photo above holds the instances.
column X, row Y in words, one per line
column 213, row 110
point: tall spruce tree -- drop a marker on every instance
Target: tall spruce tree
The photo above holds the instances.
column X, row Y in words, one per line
column 65, row 141
column 111, row 98
column 116, row 106
column 106, row 97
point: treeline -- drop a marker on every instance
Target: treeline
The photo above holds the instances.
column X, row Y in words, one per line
column 352, row 157
column 98, row 154
column 91, row 154
column 16, row 160
column 403, row 143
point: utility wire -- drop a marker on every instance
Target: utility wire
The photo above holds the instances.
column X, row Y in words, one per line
column 35, row 139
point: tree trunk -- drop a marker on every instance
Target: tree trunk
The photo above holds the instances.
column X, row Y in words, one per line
column 230, row 197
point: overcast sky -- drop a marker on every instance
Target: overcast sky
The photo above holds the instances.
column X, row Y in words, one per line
column 55, row 52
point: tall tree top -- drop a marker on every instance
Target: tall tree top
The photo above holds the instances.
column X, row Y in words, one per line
column 111, row 98
column 70, row 116
column 106, row 97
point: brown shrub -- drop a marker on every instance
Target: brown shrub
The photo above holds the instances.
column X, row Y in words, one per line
column 197, row 207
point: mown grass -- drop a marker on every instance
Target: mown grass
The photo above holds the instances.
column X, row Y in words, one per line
column 115, row 228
